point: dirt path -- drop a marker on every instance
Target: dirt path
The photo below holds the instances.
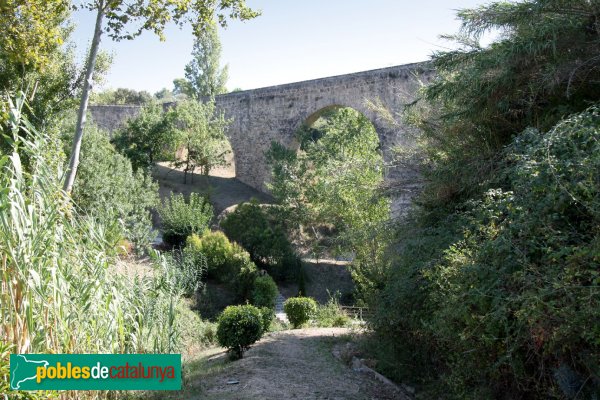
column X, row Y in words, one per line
column 295, row 364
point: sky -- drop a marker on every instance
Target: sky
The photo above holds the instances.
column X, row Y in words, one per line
column 293, row 40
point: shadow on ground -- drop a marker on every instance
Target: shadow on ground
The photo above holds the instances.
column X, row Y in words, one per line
column 223, row 191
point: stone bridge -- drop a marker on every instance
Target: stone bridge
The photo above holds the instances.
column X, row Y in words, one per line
column 275, row 113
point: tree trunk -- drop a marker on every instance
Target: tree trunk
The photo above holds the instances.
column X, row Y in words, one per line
column 85, row 97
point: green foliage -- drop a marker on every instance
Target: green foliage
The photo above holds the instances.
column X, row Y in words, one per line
column 201, row 132
column 148, row 138
column 54, row 256
column 109, row 191
column 191, row 265
column 122, row 96
column 268, row 314
column 218, row 252
column 128, row 21
column 31, row 30
column 300, row 310
column 194, row 331
column 495, row 282
column 226, row 262
column 181, row 219
column 331, row 314
column 265, row 292
column 247, row 272
column 204, row 75
column 512, row 299
column 543, row 67
column 251, row 226
column 239, row 327
column 329, row 191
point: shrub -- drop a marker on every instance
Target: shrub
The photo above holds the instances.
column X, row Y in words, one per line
column 194, row 331
column 238, row 328
column 53, row 255
column 247, row 273
column 109, row 191
column 181, row 219
column 218, row 251
column 299, row 310
column 264, row 292
column 250, row 226
column 331, row 314
column 268, row 314
column 507, row 301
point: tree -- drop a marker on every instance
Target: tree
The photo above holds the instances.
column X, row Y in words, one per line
column 144, row 16
column 495, row 257
column 31, row 30
column 36, row 58
column 205, row 77
column 331, row 185
column 148, row 138
column 181, row 87
column 201, row 134
column 122, row 96
column 545, row 66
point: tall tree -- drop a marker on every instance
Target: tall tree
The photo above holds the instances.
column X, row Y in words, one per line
column 126, row 20
column 204, row 75
column 32, row 58
column 31, row 30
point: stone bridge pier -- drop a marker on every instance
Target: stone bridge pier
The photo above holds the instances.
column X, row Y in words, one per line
column 275, row 113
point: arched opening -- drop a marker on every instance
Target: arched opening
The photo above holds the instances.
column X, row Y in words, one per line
column 328, row 182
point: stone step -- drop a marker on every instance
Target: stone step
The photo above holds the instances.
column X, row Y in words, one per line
column 279, row 313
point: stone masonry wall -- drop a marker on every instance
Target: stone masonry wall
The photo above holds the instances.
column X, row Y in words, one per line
column 274, row 113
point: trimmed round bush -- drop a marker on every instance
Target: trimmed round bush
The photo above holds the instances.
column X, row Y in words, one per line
column 299, row 310
column 239, row 327
column 268, row 314
column 264, row 292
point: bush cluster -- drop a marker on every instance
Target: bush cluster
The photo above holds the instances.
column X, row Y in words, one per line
column 181, row 219
column 226, row 263
column 250, row 226
column 299, row 310
column 219, row 252
column 510, row 303
column 238, row 328
column 109, row 191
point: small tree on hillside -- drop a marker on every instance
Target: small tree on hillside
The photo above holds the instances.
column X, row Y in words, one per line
column 201, row 133
column 148, row 137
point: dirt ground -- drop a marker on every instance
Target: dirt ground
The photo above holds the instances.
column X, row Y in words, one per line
column 223, row 189
column 293, row 364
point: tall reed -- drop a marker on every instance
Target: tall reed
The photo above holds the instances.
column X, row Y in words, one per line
column 60, row 292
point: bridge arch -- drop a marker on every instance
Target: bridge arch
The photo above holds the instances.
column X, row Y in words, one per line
column 261, row 116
